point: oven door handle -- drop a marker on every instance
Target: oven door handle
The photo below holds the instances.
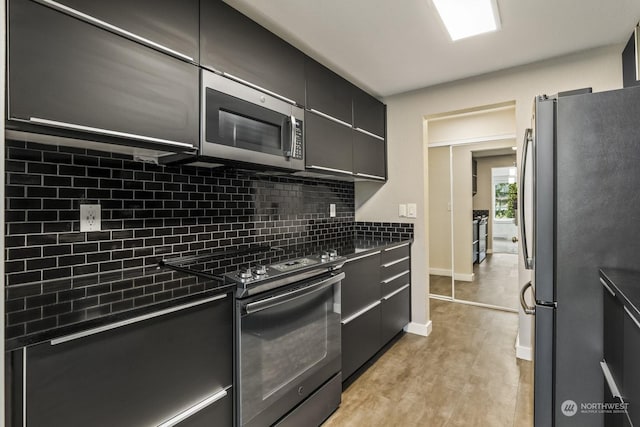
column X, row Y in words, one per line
column 254, row 307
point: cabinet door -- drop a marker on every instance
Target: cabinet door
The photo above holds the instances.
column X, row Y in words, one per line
column 369, row 113
column 369, row 158
column 630, row 64
column 327, row 92
column 613, row 334
column 395, row 315
column 360, row 340
column 631, row 370
column 168, row 25
column 232, row 43
column 361, row 285
column 90, row 80
column 141, row 374
column 328, row 145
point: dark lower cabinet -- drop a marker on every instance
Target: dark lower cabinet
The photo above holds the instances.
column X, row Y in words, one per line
column 613, row 347
column 360, row 340
column 360, row 287
column 170, row 25
column 234, row 44
column 369, row 156
column 328, row 145
column 139, row 374
column 64, row 73
column 394, row 314
column 631, row 370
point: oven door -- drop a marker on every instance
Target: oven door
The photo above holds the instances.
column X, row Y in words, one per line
column 289, row 345
column 243, row 124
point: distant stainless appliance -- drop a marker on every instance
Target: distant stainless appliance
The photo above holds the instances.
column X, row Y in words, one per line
column 243, row 124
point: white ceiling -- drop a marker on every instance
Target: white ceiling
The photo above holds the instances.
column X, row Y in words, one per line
column 393, row 46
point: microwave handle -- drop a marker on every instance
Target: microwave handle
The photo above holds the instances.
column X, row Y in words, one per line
column 288, row 148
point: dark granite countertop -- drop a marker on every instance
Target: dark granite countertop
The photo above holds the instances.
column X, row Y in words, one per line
column 626, row 284
column 40, row 312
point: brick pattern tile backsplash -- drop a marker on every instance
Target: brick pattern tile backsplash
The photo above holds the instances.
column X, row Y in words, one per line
column 150, row 211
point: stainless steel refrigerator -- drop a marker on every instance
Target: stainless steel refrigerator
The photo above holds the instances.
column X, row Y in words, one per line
column 583, row 156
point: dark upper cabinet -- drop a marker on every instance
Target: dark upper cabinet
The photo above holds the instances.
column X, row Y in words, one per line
column 234, row 44
column 327, row 92
column 368, row 113
column 328, row 145
column 369, row 156
column 65, row 73
column 631, row 62
column 168, row 25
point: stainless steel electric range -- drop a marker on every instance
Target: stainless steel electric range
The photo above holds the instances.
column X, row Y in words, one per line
column 288, row 356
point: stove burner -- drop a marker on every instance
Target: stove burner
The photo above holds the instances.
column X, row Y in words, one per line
column 260, row 270
column 245, row 274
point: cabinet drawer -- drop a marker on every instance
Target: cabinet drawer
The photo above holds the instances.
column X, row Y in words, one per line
column 142, row 373
column 219, row 413
column 92, row 81
column 395, row 314
column 361, row 285
column 391, row 269
column 394, row 253
column 360, row 340
column 394, row 283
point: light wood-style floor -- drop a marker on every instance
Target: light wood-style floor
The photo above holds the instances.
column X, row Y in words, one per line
column 464, row 374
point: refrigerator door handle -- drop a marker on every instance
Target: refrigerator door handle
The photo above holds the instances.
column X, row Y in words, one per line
column 528, row 263
column 526, row 307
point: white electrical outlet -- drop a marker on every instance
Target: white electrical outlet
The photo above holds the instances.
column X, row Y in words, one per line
column 332, row 210
column 402, row 210
column 90, row 218
column 412, row 210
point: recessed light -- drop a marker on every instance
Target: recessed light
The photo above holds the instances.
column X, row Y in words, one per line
column 466, row 18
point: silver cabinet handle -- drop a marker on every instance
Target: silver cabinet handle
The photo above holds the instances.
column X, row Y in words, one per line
column 108, row 132
column 373, row 135
column 70, row 11
column 389, row 264
column 366, row 175
column 632, row 317
column 610, row 381
column 330, row 169
column 362, row 256
column 392, row 294
column 391, row 279
column 126, row 322
column 195, row 408
column 607, row 287
column 361, row 312
column 328, row 117
column 528, row 262
column 396, row 247
column 260, row 88
column 527, row 308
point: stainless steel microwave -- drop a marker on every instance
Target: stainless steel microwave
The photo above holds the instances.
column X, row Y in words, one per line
column 243, row 124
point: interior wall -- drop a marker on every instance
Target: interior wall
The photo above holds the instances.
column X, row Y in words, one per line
column 482, row 199
column 599, row 68
column 481, row 123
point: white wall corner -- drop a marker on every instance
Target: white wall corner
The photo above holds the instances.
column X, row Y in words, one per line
column 419, row 328
column 523, row 352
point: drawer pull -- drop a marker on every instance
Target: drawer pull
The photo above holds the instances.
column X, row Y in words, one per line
column 322, row 168
column 610, row 381
column 122, row 323
column 391, row 279
column 260, row 88
column 392, row 294
column 373, row 135
column 328, row 117
column 195, row 408
column 362, row 256
column 389, row 264
column 607, row 287
column 361, row 312
column 366, row 175
column 632, row 317
column 121, row 31
column 396, row 247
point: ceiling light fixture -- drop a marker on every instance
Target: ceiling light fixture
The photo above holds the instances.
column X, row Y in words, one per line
column 466, row 18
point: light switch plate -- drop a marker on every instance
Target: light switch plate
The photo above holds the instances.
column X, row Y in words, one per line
column 412, row 210
column 402, row 210
column 332, row 210
column 90, row 218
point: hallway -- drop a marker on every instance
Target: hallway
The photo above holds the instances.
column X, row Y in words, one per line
column 464, row 374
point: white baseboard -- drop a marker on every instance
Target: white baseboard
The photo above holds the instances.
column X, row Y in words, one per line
column 447, row 273
column 522, row 352
column 419, row 328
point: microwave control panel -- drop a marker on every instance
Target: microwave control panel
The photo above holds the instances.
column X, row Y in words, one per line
column 296, row 149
